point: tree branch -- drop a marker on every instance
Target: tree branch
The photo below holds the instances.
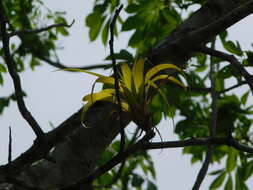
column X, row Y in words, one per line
column 15, row 77
column 233, row 61
column 61, row 66
column 116, row 77
column 10, row 147
column 44, row 29
column 212, row 127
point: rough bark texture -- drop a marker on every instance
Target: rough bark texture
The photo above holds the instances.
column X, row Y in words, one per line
column 77, row 154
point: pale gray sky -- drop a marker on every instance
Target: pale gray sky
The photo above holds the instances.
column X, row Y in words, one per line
column 53, row 96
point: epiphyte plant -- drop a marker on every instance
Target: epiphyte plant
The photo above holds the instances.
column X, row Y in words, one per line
column 135, row 88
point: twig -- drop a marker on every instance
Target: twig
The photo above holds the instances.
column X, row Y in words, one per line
column 15, row 77
column 35, row 31
column 233, row 61
column 203, row 171
column 233, row 87
column 116, row 77
column 10, row 147
column 199, row 142
column 61, row 66
column 116, row 177
column 212, row 128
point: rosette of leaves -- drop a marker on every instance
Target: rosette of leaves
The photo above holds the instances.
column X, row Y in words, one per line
column 136, row 89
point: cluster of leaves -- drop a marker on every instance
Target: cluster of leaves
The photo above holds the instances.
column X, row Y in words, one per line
column 31, row 15
column 151, row 20
column 28, row 50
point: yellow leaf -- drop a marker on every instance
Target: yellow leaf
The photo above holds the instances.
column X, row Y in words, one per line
column 164, row 77
column 161, row 92
column 126, row 76
column 153, row 71
column 99, row 95
column 84, row 71
column 173, row 79
column 105, row 80
column 138, row 73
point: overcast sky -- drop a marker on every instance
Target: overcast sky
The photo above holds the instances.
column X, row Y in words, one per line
column 54, row 96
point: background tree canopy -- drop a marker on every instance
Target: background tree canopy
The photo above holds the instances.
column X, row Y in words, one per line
column 212, row 118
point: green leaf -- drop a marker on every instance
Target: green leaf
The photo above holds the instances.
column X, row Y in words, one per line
column 131, row 8
column 137, row 180
column 4, row 102
column 105, row 32
column 229, row 184
column 151, row 186
column 131, row 22
column 231, row 160
column 248, row 170
column 232, row 48
column 94, row 21
column 122, row 55
column 244, row 97
column 239, row 183
column 2, row 69
column 218, row 181
column 216, row 172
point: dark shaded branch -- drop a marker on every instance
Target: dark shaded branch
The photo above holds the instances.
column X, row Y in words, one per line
column 10, row 147
column 233, row 61
column 116, row 177
column 208, row 90
column 203, row 171
column 116, row 78
column 15, row 77
column 212, row 127
column 61, row 66
column 233, row 87
column 44, row 29
column 199, row 142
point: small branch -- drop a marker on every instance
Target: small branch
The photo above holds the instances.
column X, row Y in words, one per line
column 116, row 177
column 212, row 129
column 233, row 87
column 10, row 147
column 61, row 66
column 199, row 142
column 203, row 171
column 35, row 31
column 116, row 77
column 233, row 61
column 15, row 77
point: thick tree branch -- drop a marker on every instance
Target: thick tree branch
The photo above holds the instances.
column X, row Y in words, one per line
column 15, row 77
column 197, row 30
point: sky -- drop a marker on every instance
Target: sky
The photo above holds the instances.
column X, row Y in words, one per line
column 54, row 96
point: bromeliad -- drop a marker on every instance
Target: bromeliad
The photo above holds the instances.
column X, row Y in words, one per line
column 134, row 90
